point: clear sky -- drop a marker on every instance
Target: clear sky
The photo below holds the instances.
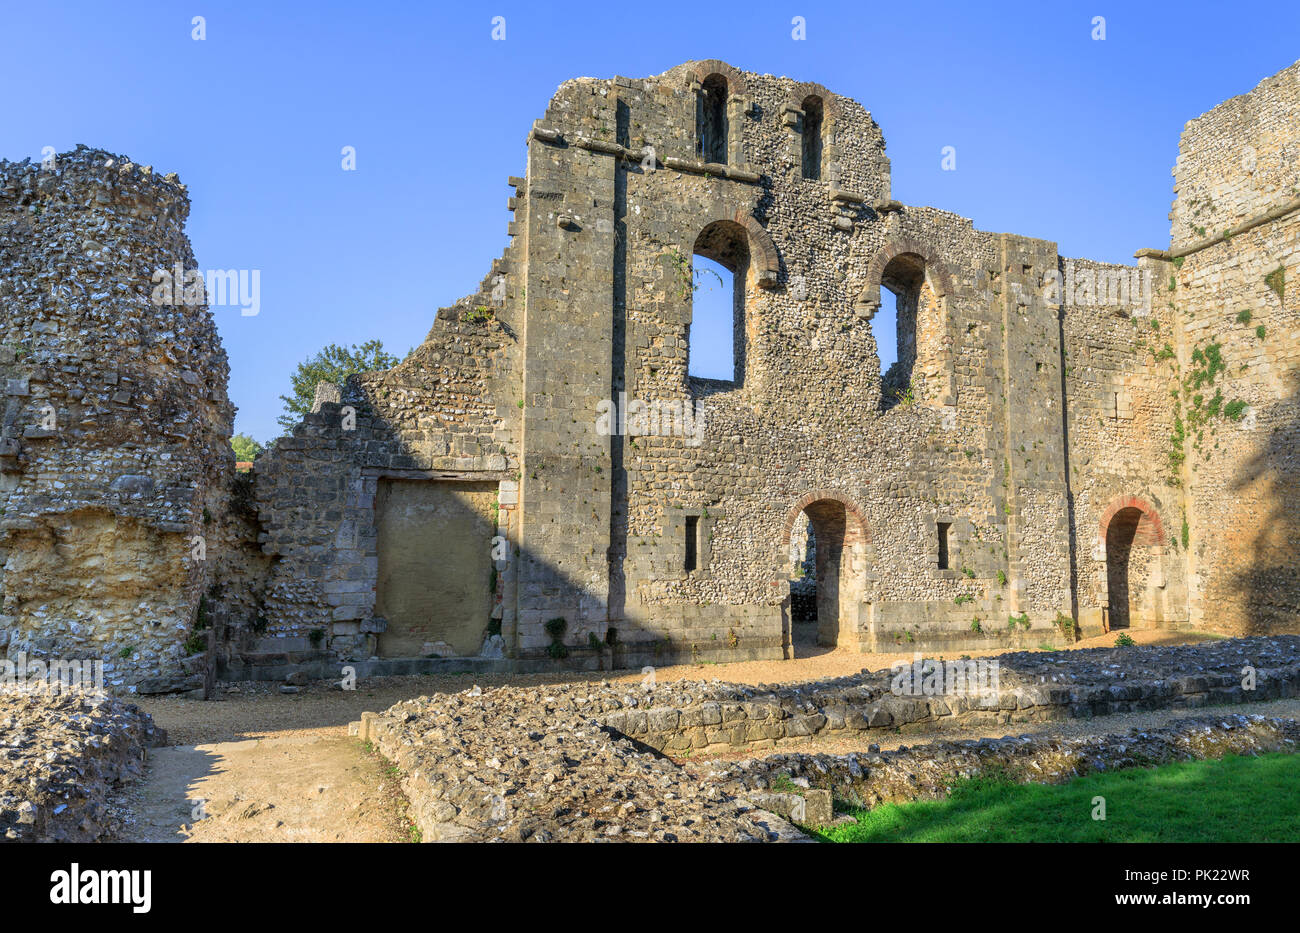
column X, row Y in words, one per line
column 1057, row 135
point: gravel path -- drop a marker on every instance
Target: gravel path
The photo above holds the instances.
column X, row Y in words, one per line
column 295, row 787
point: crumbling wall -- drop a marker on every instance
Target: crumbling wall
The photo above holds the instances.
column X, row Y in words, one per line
column 449, row 412
column 1236, row 253
column 1034, row 418
column 804, row 413
column 114, row 446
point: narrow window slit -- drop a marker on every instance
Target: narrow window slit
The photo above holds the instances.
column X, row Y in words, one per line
column 692, row 531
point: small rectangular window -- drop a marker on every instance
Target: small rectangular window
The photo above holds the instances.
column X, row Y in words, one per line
column 943, row 544
column 692, row 529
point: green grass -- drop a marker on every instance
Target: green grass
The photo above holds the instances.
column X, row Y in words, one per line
column 1236, row 799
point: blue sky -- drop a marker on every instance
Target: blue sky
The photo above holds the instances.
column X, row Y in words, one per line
column 1057, row 135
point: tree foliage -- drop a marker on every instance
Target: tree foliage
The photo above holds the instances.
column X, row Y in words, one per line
column 246, row 449
column 332, row 364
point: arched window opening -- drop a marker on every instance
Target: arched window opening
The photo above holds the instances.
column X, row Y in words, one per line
column 884, row 327
column 716, row 337
column 711, row 120
column 812, row 138
column 904, row 294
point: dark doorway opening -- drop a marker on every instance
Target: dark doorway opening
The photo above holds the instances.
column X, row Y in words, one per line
column 1119, row 549
column 826, row 585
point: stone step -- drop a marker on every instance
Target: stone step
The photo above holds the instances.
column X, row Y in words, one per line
column 272, row 645
column 269, row 658
column 331, row 668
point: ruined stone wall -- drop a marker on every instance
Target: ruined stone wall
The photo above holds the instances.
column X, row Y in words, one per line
column 1032, row 423
column 114, row 453
column 1121, row 363
column 449, row 411
column 1237, row 172
column 804, row 416
column 1022, row 424
column 596, row 306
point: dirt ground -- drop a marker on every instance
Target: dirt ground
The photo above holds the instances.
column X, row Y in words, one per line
column 263, row 766
column 255, row 710
column 293, row 787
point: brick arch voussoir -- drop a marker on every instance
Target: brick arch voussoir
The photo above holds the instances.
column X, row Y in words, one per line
column 762, row 251
column 851, row 508
column 1155, row 535
column 801, row 92
column 936, row 271
column 736, row 83
column 763, row 256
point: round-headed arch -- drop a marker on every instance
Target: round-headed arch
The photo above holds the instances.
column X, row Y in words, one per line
column 856, row 529
column 912, row 253
column 763, row 257
column 799, row 94
column 1150, row 529
column 701, row 71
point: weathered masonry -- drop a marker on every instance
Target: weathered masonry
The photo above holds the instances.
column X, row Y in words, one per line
column 1062, row 445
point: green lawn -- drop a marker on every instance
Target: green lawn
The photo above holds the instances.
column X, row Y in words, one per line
column 1236, row 799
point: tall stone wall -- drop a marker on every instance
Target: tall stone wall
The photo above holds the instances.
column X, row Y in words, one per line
column 1238, row 173
column 804, row 420
column 114, row 447
column 592, row 304
column 1121, row 363
column 1042, row 431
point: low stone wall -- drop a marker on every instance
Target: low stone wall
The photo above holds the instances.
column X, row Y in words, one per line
column 59, row 757
column 578, row 762
column 1031, row 687
column 927, row 771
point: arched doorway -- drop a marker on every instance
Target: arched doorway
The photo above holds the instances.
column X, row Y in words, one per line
column 1119, row 550
column 1134, row 539
column 827, row 541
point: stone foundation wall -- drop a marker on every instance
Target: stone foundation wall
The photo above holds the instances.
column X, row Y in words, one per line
column 1031, row 687
column 577, row 762
column 926, row 772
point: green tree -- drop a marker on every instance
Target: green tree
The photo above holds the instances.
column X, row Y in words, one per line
column 246, row 449
column 333, row 364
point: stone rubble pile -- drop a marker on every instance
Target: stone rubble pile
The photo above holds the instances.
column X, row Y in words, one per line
column 534, row 765
column 579, row 762
column 60, row 754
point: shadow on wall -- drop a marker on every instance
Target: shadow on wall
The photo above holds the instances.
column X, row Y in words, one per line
column 1270, row 588
column 421, row 552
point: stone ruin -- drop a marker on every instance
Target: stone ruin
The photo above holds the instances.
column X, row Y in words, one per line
column 1064, row 446
column 615, row 761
